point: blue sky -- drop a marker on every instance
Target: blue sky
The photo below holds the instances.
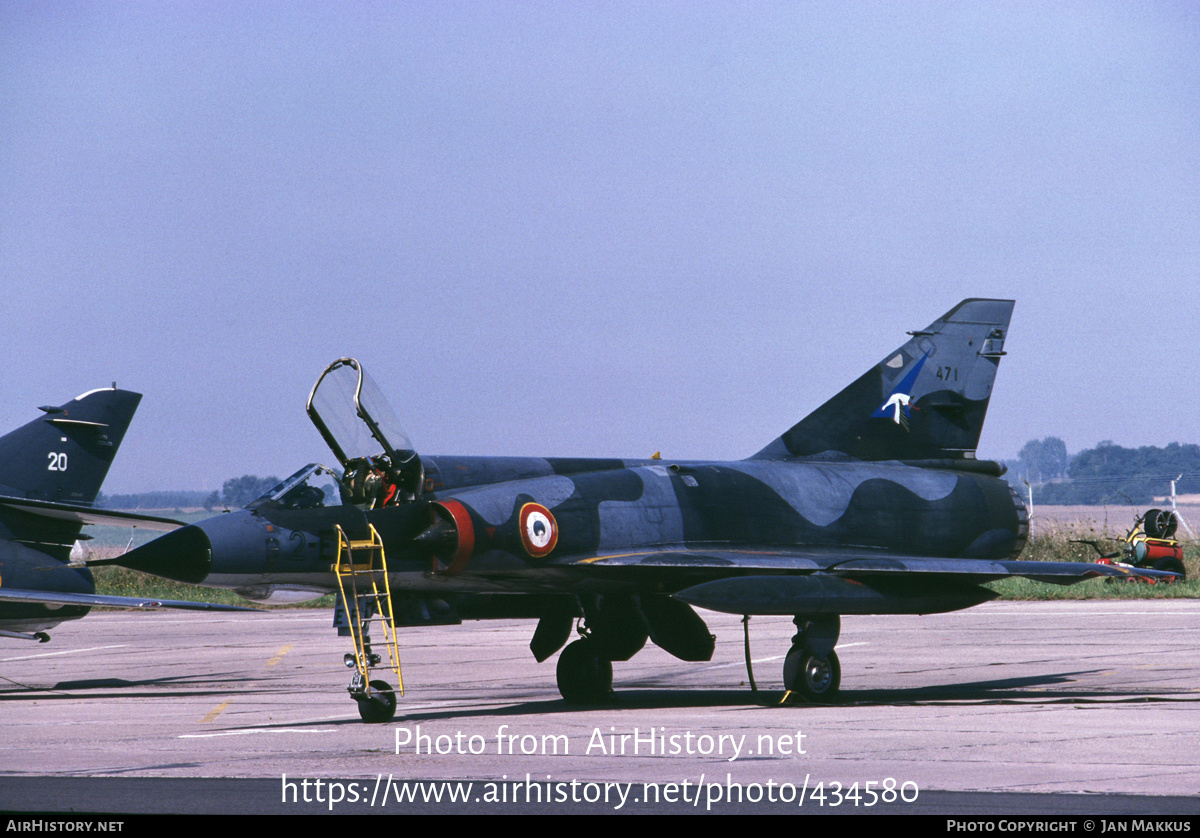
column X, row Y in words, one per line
column 590, row 229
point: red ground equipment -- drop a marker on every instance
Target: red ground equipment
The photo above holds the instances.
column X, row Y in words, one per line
column 1150, row 544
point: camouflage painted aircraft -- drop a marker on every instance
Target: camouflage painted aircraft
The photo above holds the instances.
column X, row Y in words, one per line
column 873, row 504
column 51, row 471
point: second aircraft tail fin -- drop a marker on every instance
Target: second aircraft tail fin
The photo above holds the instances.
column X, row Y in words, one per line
column 65, row 455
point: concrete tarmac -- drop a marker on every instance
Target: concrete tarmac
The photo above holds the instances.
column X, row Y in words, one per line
column 1080, row 707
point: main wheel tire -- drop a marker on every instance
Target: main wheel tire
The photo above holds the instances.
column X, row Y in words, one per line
column 380, row 706
column 815, row 677
column 583, row 676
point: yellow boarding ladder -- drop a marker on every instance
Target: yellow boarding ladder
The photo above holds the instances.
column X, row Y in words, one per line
column 356, row 567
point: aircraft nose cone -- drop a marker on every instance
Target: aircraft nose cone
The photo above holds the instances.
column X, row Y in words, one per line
column 184, row 555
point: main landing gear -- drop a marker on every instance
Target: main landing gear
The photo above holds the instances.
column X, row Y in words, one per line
column 613, row 629
column 584, row 677
column 811, row 668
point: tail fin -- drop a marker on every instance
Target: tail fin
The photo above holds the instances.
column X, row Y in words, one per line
column 64, row 455
column 925, row 401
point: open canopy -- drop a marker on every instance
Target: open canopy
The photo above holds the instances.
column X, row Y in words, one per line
column 353, row 416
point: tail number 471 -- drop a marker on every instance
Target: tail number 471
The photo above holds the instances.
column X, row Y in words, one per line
column 58, row 462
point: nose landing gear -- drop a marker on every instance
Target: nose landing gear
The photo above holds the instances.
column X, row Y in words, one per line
column 376, row 702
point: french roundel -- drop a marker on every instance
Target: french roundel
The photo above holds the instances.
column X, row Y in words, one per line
column 539, row 530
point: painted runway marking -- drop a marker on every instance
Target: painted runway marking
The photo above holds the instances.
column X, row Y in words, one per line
column 65, row 652
column 216, row 711
column 283, row 650
column 246, row 732
column 764, row 660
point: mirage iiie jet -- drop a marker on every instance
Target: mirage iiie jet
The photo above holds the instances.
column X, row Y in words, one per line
column 873, row 504
column 51, row 470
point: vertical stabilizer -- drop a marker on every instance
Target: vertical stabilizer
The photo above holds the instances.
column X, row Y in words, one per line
column 926, row 400
column 65, row 455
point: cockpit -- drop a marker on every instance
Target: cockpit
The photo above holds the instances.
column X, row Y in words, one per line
column 379, row 465
column 313, row 487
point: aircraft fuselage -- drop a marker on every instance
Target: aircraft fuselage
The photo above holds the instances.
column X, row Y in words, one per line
column 607, row 514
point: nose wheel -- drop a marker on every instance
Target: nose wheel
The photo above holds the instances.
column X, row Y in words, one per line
column 376, row 702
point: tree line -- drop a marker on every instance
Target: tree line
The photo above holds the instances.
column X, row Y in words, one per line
column 235, row 493
column 1107, row 473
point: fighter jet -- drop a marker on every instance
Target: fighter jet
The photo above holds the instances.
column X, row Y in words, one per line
column 875, row 503
column 51, row 470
